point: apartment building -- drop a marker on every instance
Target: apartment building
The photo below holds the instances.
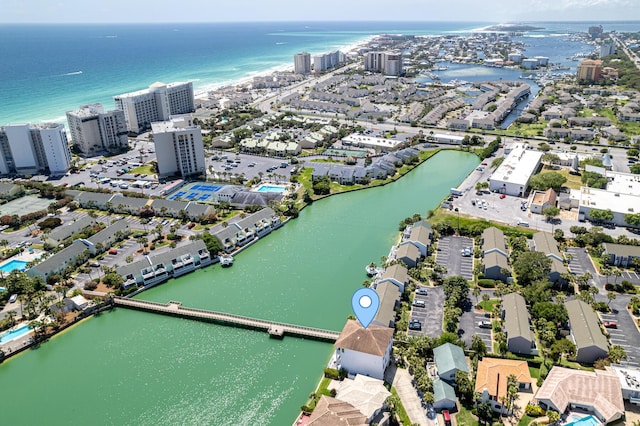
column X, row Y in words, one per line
column 94, row 131
column 302, row 63
column 31, row 149
column 157, row 103
column 179, row 148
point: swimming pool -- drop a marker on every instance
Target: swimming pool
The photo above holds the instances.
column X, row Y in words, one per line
column 582, row 421
column 14, row 264
column 270, row 188
column 7, row 336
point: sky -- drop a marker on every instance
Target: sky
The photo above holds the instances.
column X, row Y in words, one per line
column 122, row 11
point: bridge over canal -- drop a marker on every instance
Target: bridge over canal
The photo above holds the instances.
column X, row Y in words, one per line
column 275, row 329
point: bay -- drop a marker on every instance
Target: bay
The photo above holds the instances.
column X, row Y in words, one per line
column 127, row 367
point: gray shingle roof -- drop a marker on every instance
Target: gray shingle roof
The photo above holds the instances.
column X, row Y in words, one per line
column 585, row 325
column 516, row 316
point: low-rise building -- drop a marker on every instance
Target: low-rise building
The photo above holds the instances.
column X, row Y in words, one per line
column 396, row 274
column 362, row 350
column 390, row 297
column 332, row 411
column 492, row 380
column 597, row 392
column 621, row 254
column 495, row 255
column 542, row 200
column 517, row 325
column 512, row 176
column 450, row 359
column 586, row 334
column 545, row 243
column 366, row 394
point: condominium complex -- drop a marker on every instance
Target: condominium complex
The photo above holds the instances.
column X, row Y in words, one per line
column 31, row 149
column 94, row 131
column 302, row 63
column 179, row 149
column 589, row 70
column 327, row 61
column 388, row 63
column 156, row 103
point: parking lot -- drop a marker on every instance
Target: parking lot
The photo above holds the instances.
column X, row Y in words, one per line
column 449, row 255
column 625, row 334
column 431, row 315
column 468, row 326
column 631, row 276
column 581, row 263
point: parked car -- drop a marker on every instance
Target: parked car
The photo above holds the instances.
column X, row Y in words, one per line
column 502, row 196
column 13, row 298
column 610, row 324
column 419, row 303
column 484, row 324
column 113, row 251
column 422, row 291
column 414, row 324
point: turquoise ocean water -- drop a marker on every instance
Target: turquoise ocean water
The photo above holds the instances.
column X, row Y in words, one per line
column 50, row 69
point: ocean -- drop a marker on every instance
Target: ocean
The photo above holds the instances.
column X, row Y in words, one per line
column 50, row 69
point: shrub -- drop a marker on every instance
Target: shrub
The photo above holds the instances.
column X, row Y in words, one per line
column 332, row 373
column 91, row 285
column 306, row 409
column 600, row 307
column 486, row 283
column 533, row 411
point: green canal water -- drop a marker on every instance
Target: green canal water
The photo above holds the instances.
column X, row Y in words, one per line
column 127, row 367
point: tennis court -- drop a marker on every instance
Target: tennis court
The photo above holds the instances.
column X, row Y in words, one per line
column 24, row 205
column 203, row 192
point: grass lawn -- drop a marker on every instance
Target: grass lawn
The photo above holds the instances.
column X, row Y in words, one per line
column 465, row 418
column 469, row 222
column 535, row 372
column 522, row 129
column 488, row 305
column 525, row 420
column 402, row 413
column 573, row 181
column 144, row 169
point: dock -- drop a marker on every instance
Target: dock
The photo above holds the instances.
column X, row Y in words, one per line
column 273, row 328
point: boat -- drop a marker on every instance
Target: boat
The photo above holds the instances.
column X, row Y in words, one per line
column 226, row 260
column 372, row 269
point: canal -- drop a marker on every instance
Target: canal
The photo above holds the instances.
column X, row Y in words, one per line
column 128, row 367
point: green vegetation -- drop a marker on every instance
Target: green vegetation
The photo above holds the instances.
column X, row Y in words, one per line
column 465, row 418
column 546, row 180
column 446, row 222
column 147, row 169
column 399, row 408
column 489, row 305
column 525, row 420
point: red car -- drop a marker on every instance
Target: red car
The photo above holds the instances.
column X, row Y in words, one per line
column 610, row 324
column 502, row 196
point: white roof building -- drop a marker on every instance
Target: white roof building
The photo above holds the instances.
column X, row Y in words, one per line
column 619, row 203
column 512, row 176
column 379, row 144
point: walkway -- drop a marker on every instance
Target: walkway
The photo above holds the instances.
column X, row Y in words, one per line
column 276, row 329
column 402, row 382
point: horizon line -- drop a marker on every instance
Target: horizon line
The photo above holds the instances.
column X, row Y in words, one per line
column 316, row 21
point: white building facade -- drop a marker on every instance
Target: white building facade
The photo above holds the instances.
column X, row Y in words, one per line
column 388, row 63
column 302, row 63
column 157, row 103
column 95, row 131
column 512, row 176
column 179, row 148
column 30, row 149
column 364, row 351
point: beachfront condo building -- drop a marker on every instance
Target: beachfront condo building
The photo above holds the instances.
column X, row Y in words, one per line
column 302, row 63
column 94, row 131
column 27, row 149
column 327, row 61
column 388, row 63
column 179, row 148
column 157, row 103
column 589, row 70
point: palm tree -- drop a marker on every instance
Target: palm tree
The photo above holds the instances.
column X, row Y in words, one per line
column 476, row 293
column 11, row 315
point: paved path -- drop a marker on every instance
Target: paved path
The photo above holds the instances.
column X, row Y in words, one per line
column 408, row 395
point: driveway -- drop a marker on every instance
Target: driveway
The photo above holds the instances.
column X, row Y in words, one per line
column 468, row 326
column 431, row 315
column 449, row 256
column 411, row 402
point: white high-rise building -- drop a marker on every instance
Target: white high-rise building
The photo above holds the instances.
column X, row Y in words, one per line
column 388, row 63
column 95, row 131
column 157, row 103
column 179, row 148
column 327, row 61
column 30, row 149
column 302, row 63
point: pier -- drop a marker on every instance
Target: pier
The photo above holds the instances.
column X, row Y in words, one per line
column 274, row 329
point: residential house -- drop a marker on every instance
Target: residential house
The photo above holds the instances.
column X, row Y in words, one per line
column 495, row 255
column 390, row 296
column 362, row 350
column 420, row 236
column 542, row 200
column 396, row 274
column 68, row 229
column 333, row 412
column 517, row 325
column 621, row 254
column 492, row 380
column 597, row 392
column 450, row 359
column 545, row 243
column 366, row 394
column 444, row 395
column 590, row 343
column 408, row 254
column 76, row 253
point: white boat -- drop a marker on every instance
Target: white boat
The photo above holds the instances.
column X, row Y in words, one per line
column 373, row 270
column 226, row 260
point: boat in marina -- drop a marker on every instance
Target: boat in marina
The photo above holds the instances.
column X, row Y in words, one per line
column 372, row 269
column 226, row 260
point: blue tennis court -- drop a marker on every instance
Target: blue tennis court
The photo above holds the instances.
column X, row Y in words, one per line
column 201, row 192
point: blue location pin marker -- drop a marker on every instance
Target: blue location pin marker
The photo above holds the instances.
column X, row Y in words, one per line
column 365, row 303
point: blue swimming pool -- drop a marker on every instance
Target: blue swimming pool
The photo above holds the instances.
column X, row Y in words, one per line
column 271, row 188
column 14, row 264
column 14, row 334
column 582, row 421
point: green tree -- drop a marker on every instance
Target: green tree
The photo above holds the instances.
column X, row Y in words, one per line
column 550, row 312
column 635, row 169
column 617, row 354
column 478, row 346
column 464, row 386
column 550, row 212
column 544, row 181
column 531, row 266
column 562, row 348
column 553, row 416
column 549, row 158
column 611, row 296
column 632, row 219
column 601, row 215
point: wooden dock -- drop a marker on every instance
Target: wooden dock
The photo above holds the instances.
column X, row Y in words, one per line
column 274, row 329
